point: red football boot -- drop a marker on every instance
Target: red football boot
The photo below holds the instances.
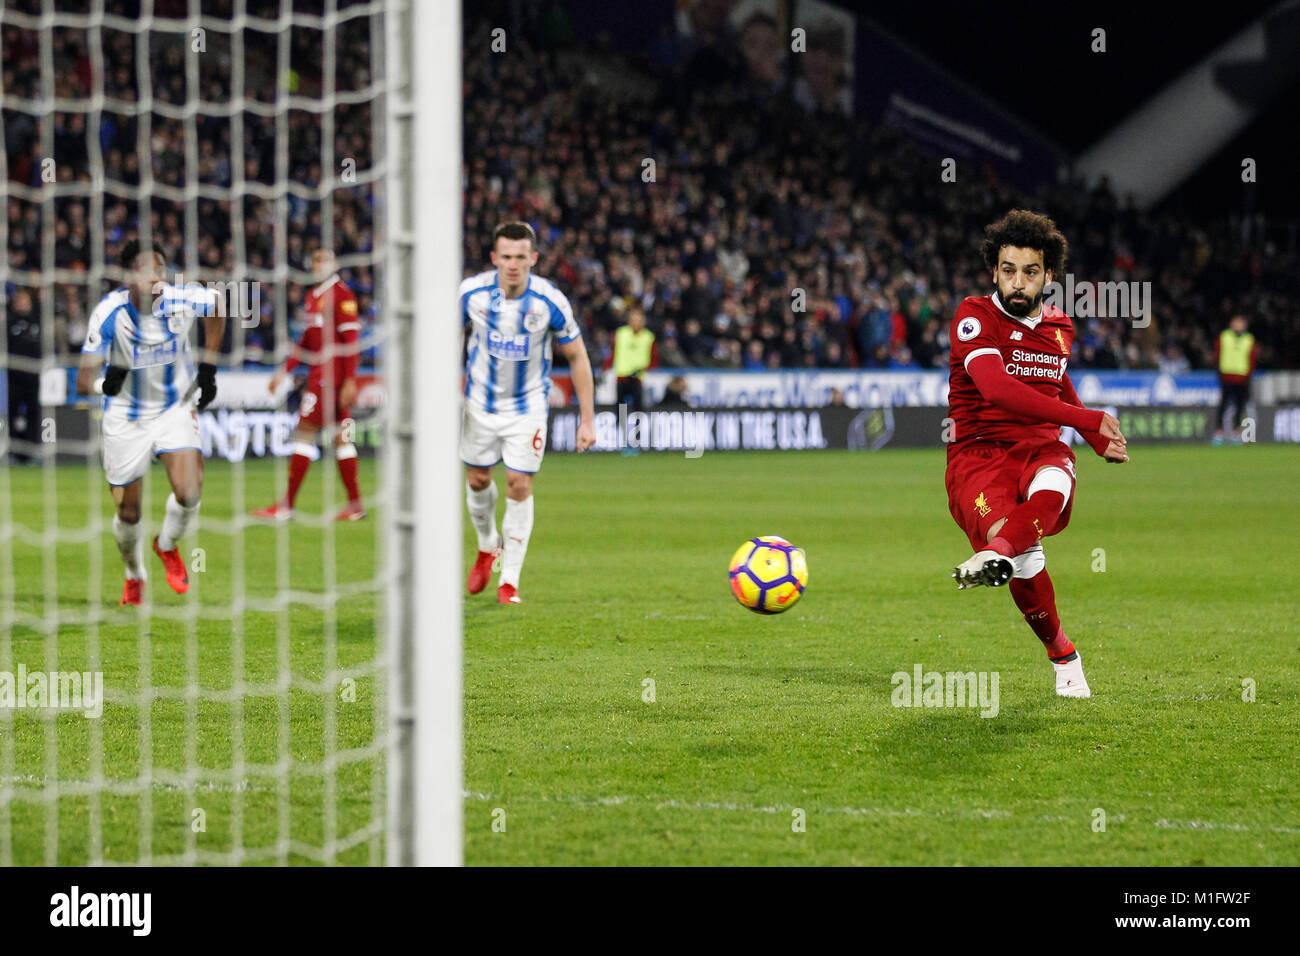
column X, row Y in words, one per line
column 353, row 512
column 507, row 594
column 175, row 567
column 482, row 570
column 277, row 512
column 133, row 593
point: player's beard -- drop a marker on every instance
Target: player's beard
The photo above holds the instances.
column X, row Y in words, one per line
column 1022, row 307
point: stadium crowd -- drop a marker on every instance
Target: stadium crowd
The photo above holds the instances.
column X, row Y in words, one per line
column 213, row 256
column 755, row 233
column 754, row 197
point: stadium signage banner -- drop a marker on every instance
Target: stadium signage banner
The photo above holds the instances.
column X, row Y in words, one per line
column 243, row 389
column 694, row 431
column 796, row 389
column 697, row 430
column 877, row 389
column 929, row 427
column 236, row 434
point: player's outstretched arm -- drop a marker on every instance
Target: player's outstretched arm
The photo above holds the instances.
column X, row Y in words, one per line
column 585, row 386
column 1013, row 395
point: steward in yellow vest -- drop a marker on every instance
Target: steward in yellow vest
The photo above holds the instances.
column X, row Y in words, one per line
column 633, row 354
column 1235, row 354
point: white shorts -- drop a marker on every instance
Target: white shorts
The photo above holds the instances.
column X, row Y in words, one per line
column 518, row 440
column 130, row 446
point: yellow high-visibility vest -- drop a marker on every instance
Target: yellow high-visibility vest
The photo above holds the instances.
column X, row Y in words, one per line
column 632, row 351
column 1234, row 352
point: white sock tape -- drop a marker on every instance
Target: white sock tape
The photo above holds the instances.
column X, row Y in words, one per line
column 1052, row 479
column 1028, row 564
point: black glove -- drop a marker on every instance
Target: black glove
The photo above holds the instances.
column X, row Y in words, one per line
column 207, row 382
column 113, row 377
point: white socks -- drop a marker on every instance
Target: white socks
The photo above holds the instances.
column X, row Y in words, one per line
column 515, row 527
column 176, row 522
column 483, row 514
column 128, row 542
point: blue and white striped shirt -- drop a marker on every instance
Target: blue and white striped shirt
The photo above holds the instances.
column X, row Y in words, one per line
column 154, row 347
column 509, row 366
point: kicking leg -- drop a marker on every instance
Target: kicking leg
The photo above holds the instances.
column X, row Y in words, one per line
column 1036, row 517
column 985, row 567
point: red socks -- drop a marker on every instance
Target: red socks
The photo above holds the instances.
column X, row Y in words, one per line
column 347, row 459
column 1031, row 520
column 348, row 472
column 1036, row 599
column 298, row 466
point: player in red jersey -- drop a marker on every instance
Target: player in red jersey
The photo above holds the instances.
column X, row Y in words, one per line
column 329, row 347
column 1010, row 478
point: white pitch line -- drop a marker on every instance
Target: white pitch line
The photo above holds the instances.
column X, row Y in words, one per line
column 1207, row 825
column 33, row 782
column 671, row 804
column 615, row 801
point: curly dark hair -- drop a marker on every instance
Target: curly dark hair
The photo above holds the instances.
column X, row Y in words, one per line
column 1026, row 230
column 131, row 251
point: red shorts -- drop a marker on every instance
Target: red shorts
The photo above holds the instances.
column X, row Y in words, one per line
column 986, row 480
column 314, row 409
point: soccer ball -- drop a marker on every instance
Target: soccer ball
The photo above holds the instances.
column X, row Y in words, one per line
column 768, row 574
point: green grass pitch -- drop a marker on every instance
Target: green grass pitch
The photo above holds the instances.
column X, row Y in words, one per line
column 769, row 740
column 288, row 791
column 756, row 717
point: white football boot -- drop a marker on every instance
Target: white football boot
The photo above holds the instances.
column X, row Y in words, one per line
column 1070, row 681
column 985, row 567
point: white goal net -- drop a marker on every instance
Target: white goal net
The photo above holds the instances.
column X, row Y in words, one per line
column 271, row 713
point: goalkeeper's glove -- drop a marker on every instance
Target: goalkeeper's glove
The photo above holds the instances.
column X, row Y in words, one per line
column 113, row 377
column 207, row 382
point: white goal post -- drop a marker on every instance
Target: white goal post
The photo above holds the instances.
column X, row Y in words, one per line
column 424, row 140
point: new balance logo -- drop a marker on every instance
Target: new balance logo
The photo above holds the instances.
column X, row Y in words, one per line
column 1017, row 336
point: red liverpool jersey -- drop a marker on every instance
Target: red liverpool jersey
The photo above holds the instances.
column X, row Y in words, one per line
column 333, row 328
column 1034, row 351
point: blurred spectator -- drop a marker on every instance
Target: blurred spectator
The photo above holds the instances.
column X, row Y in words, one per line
column 24, row 341
column 668, row 351
column 752, row 200
column 1174, row 362
column 1236, row 353
column 212, row 257
column 633, row 352
column 675, row 394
